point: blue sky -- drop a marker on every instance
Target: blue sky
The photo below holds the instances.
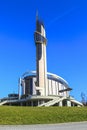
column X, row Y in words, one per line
column 66, row 30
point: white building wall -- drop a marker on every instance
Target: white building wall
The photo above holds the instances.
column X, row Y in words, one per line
column 56, row 85
column 41, row 68
column 23, row 86
column 65, row 93
column 34, row 86
column 45, row 71
column 60, row 88
column 53, row 87
column 68, row 103
column 50, row 87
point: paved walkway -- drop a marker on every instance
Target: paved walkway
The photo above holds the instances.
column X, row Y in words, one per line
column 64, row 126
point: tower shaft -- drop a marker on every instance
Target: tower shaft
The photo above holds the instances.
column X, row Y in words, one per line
column 40, row 40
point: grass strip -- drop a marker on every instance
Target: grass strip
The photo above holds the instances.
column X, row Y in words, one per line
column 10, row 115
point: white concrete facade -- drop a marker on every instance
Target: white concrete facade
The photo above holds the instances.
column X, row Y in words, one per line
column 54, row 85
column 41, row 65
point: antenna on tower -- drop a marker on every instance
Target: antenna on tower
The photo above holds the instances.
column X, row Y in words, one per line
column 36, row 15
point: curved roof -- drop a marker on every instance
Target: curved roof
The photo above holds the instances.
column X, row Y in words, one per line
column 50, row 75
column 57, row 77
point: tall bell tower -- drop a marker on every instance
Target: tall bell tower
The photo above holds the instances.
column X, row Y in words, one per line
column 41, row 65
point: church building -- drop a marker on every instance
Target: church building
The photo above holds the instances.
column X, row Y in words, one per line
column 41, row 88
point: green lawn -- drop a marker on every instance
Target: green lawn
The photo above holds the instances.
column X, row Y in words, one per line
column 41, row 115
